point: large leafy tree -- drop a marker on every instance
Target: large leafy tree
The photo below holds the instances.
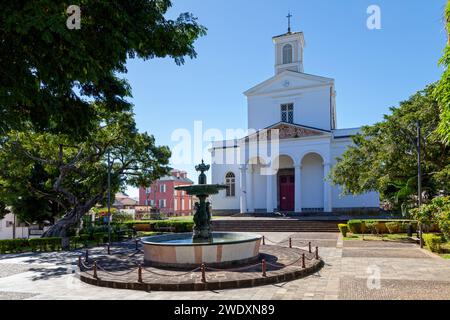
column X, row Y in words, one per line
column 72, row 176
column 443, row 89
column 384, row 159
column 50, row 74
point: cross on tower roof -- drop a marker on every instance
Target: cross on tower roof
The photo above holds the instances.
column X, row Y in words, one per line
column 289, row 16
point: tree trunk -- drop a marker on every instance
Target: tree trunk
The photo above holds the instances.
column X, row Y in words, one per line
column 69, row 220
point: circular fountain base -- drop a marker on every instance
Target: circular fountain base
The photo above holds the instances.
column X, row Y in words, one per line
column 224, row 249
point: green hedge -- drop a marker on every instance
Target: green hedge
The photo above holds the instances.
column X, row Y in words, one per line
column 343, row 229
column 13, row 245
column 381, row 226
column 179, row 226
column 23, row 245
column 155, row 225
column 433, row 241
column 45, row 244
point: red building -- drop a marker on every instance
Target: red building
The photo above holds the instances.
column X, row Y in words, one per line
column 162, row 195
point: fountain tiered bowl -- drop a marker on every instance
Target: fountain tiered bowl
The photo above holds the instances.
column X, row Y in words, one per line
column 186, row 250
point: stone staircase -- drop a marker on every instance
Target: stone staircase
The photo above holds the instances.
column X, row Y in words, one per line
column 274, row 225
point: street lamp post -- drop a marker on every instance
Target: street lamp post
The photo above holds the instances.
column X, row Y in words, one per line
column 147, row 197
column 419, row 178
column 109, row 201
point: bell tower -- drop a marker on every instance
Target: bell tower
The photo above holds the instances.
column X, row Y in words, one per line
column 289, row 50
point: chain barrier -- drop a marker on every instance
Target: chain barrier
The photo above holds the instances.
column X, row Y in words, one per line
column 234, row 269
column 290, row 240
column 172, row 275
column 263, row 264
column 113, row 273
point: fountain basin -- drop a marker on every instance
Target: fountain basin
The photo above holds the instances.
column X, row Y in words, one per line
column 225, row 249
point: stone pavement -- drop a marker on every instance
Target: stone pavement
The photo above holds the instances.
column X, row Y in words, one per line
column 353, row 270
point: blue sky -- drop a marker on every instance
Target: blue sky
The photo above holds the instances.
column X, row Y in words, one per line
column 373, row 69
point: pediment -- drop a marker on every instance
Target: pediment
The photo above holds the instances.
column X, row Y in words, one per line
column 286, row 131
column 288, row 80
column 290, row 131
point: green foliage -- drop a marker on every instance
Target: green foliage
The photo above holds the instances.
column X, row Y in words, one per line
column 380, row 226
column 121, row 217
column 443, row 88
column 384, row 156
column 356, row 226
column 73, row 176
column 343, row 229
column 45, row 244
column 75, row 241
column 369, row 227
column 100, row 237
column 13, row 245
column 179, row 226
column 84, row 238
column 394, row 227
column 437, row 212
column 23, row 245
column 433, row 241
column 3, row 210
column 50, row 73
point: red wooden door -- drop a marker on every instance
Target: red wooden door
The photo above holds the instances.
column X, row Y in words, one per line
column 287, row 189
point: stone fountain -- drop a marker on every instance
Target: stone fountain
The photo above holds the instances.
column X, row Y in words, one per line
column 186, row 250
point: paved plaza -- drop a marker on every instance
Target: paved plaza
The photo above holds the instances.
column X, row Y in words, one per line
column 353, row 270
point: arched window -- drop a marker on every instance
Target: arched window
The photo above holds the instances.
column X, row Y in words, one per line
column 287, row 54
column 230, row 181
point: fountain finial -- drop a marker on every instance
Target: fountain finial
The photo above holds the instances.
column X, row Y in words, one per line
column 202, row 167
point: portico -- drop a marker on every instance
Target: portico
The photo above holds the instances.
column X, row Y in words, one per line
column 286, row 185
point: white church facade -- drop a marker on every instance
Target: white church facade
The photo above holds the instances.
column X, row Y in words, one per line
column 282, row 164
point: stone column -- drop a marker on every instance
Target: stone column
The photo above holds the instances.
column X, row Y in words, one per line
column 250, row 207
column 327, row 201
column 269, row 192
column 298, row 188
column 243, row 187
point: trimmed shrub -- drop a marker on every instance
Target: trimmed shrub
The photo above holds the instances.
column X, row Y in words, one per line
column 394, row 227
column 356, row 226
column 74, row 241
column 343, row 229
column 13, row 245
column 380, row 226
column 179, row 226
column 369, row 227
column 139, row 225
column 99, row 237
column 433, row 241
column 45, row 244
column 54, row 244
column 84, row 238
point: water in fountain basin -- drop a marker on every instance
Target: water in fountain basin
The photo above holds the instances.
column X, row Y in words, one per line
column 186, row 239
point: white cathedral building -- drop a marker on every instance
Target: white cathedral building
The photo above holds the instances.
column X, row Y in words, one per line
column 288, row 176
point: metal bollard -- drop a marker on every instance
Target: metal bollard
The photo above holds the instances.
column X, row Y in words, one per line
column 303, row 261
column 109, row 248
column 140, row 274
column 264, row 240
column 263, row 267
column 79, row 262
column 290, row 243
column 136, row 241
column 317, row 253
column 95, row 270
column 202, row 268
column 86, row 257
column 309, row 245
